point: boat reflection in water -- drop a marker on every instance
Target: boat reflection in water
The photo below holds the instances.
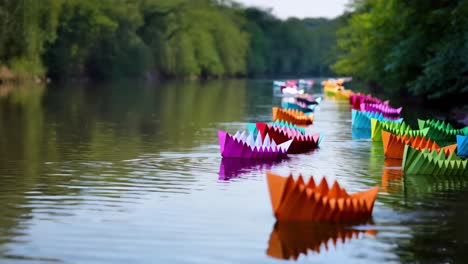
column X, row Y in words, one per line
column 289, row 240
column 392, row 180
column 233, row 168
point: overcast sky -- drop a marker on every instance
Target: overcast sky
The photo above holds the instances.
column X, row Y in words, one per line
column 301, row 8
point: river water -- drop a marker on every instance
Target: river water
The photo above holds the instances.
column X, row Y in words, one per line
column 131, row 173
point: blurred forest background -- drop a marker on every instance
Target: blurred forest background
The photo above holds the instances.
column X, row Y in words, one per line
column 417, row 48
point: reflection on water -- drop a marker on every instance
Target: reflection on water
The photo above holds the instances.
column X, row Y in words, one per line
column 288, row 240
column 392, row 180
column 233, row 168
column 128, row 172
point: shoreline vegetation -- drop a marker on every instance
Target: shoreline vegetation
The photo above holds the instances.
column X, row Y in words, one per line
column 413, row 49
column 158, row 39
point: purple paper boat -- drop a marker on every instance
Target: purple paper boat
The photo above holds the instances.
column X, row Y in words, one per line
column 386, row 110
column 233, row 168
column 245, row 146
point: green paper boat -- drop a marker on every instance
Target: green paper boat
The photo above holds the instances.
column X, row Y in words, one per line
column 394, row 128
column 440, row 131
column 432, row 163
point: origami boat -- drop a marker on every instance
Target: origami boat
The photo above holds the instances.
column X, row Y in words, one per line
column 290, row 240
column 281, row 123
column 308, row 99
column 300, row 143
column 293, row 106
column 355, row 100
column 394, row 145
column 462, row 146
column 359, row 133
column 245, row 145
column 295, row 200
column 362, row 120
column 432, row 163
column 342, row 94
column 386, row 110
column 252, row 127
column 440, row 131
column 292, row 116
column 394, row 128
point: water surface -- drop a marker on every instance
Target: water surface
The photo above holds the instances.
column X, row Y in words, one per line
column 131, row 173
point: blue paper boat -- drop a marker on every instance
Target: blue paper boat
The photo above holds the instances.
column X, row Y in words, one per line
column 462, row 146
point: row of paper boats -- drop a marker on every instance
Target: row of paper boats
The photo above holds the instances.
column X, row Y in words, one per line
column 293, row 199
column 287, row 135
column 435, row 148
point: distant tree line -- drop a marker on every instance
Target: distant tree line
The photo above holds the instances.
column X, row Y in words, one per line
column 107, row 39
column 416, row 47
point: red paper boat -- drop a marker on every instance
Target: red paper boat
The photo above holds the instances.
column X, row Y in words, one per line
column 300, row 144
column 294, row 200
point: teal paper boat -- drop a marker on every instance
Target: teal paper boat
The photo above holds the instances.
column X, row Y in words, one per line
column 252, row 127
column 293, row 106
column 362, row 120
column 432, row 163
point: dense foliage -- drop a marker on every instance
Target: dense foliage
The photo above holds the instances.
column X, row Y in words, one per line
column 158, row 38
column 415, row 47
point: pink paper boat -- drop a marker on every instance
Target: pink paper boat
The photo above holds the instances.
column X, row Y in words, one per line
column 386, row 110
column 244, row 145
column 357, row 99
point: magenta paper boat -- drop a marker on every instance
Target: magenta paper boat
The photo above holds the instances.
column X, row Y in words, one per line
column 357, row 99
column 386, row 110
column 246, row 146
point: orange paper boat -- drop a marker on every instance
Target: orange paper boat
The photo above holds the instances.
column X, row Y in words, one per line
column 394, row 145
column 290, row 240
column 294, row 200
column 292, row 116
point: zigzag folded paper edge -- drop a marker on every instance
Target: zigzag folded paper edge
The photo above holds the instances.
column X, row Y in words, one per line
column 360, row 119
column 441, row 130
column 252, row 127
column 394, row 145
column 292, row 116
column 432, row 163
column 382, row 108
column 294, row 200
column 395, row 128
column 249, row 146
column 301, row 143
